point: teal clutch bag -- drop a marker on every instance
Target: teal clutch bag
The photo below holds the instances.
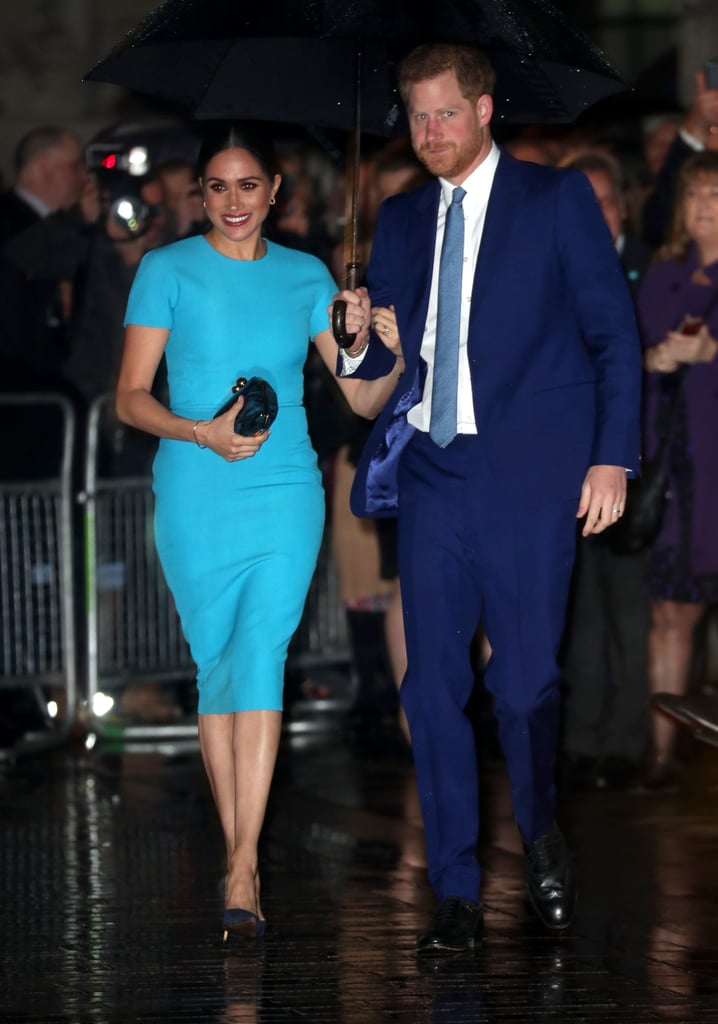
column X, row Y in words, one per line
column 260, row 406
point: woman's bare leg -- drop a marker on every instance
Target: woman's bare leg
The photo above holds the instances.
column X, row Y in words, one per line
column 670, row 653
column 396, row 646
column 239, row 752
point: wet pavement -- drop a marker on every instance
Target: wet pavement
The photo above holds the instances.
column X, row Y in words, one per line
column 110, row 861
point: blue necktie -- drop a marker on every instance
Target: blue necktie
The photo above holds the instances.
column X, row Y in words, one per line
column 445, row 385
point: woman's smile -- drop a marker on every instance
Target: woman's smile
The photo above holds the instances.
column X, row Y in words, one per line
column 235, row 219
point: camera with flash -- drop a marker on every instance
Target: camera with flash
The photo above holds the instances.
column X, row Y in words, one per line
column 121, row 172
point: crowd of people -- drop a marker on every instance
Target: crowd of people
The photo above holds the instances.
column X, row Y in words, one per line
column 112, row 280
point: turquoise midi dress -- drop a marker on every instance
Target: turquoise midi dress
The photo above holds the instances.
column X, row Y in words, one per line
column 238, row 542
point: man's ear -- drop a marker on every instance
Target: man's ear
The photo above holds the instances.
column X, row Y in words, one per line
column 485, row 108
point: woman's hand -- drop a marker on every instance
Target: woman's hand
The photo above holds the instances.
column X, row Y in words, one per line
column 218, row 434
column 658, row 359
column 692, row 348
column 383, row 321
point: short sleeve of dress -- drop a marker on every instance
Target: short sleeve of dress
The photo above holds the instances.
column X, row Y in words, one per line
column 153, row 293
column 325, row 291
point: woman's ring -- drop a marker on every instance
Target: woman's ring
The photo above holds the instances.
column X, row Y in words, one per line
column 616, row 510
column 385, row 332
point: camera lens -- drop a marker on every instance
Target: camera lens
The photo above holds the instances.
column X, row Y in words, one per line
column 131, row 213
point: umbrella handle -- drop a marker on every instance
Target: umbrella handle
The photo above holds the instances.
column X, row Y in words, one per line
column 339, row 309
column 339, row 325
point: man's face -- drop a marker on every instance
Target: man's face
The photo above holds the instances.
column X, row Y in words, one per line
column 657, row 143
column 612, row 206
column 448, row 132
column 65, row 173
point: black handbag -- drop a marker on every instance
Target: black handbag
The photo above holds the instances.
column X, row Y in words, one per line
column 646, row 495
column 260, row 406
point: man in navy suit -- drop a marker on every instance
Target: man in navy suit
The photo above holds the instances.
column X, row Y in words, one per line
column 547, row 426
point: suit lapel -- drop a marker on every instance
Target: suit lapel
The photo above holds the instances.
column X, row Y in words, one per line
column 497, row 239
column 497, row 236
column 421, row 240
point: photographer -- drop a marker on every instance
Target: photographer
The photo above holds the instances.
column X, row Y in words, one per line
column 96, row 262
column 130, row 224
column 50, row 178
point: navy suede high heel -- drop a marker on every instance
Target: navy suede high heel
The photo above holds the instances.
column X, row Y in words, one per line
column 242, row 924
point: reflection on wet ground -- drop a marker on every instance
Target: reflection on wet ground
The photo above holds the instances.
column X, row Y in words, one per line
column 109, row 870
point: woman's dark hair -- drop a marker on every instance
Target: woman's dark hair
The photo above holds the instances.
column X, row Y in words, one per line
column 233, row 135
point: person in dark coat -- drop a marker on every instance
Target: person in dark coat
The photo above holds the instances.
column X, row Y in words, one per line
column 50, row 176
column 696, row 133
column 606, row 702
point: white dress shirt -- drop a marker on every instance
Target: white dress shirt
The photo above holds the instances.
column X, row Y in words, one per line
column 478, row 188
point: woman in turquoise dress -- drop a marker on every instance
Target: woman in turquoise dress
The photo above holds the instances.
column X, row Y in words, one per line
column 238, row 520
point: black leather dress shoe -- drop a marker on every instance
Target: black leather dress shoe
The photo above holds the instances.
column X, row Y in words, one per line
column 455, row 926
column 550, row 879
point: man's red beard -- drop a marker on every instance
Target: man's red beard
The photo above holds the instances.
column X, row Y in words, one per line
column 453, row 159
column 443, row 163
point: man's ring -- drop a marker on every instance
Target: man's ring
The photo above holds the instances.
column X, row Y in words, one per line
column 385, row 332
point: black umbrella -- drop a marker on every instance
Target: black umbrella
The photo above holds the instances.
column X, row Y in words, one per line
column 332, row 63
column 296, row 60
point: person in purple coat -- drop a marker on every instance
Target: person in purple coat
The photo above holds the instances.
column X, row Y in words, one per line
column 678, row 316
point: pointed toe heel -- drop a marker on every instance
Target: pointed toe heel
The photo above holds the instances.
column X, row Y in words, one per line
column 242, row 924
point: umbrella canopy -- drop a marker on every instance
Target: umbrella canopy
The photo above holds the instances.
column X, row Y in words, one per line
column 332, row 63
column 305, row 61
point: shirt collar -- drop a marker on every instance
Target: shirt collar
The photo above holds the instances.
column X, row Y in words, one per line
column 37, row 204
column 479, row 182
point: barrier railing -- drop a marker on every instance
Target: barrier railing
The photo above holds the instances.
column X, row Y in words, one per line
column 133, row 634
column 38, row 648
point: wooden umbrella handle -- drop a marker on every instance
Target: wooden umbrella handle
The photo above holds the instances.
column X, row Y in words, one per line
column 339, row 309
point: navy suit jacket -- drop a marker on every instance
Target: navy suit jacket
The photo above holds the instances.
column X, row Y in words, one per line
column 553, row 347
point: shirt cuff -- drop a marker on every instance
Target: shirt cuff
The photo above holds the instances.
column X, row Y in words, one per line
column 351, row 363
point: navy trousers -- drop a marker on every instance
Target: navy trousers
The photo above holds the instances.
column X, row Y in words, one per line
column 468, row 554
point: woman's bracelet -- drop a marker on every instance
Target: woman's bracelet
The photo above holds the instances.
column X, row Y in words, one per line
column 194, row 431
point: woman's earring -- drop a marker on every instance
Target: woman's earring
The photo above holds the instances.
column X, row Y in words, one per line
column 272, row 201
column 204, row 203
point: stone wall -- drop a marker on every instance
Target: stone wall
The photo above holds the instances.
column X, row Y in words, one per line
column 46, row 46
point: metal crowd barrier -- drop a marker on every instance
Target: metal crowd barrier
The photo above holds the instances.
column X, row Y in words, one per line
column 133, row 631
column 38, row 649
column 133, row 634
